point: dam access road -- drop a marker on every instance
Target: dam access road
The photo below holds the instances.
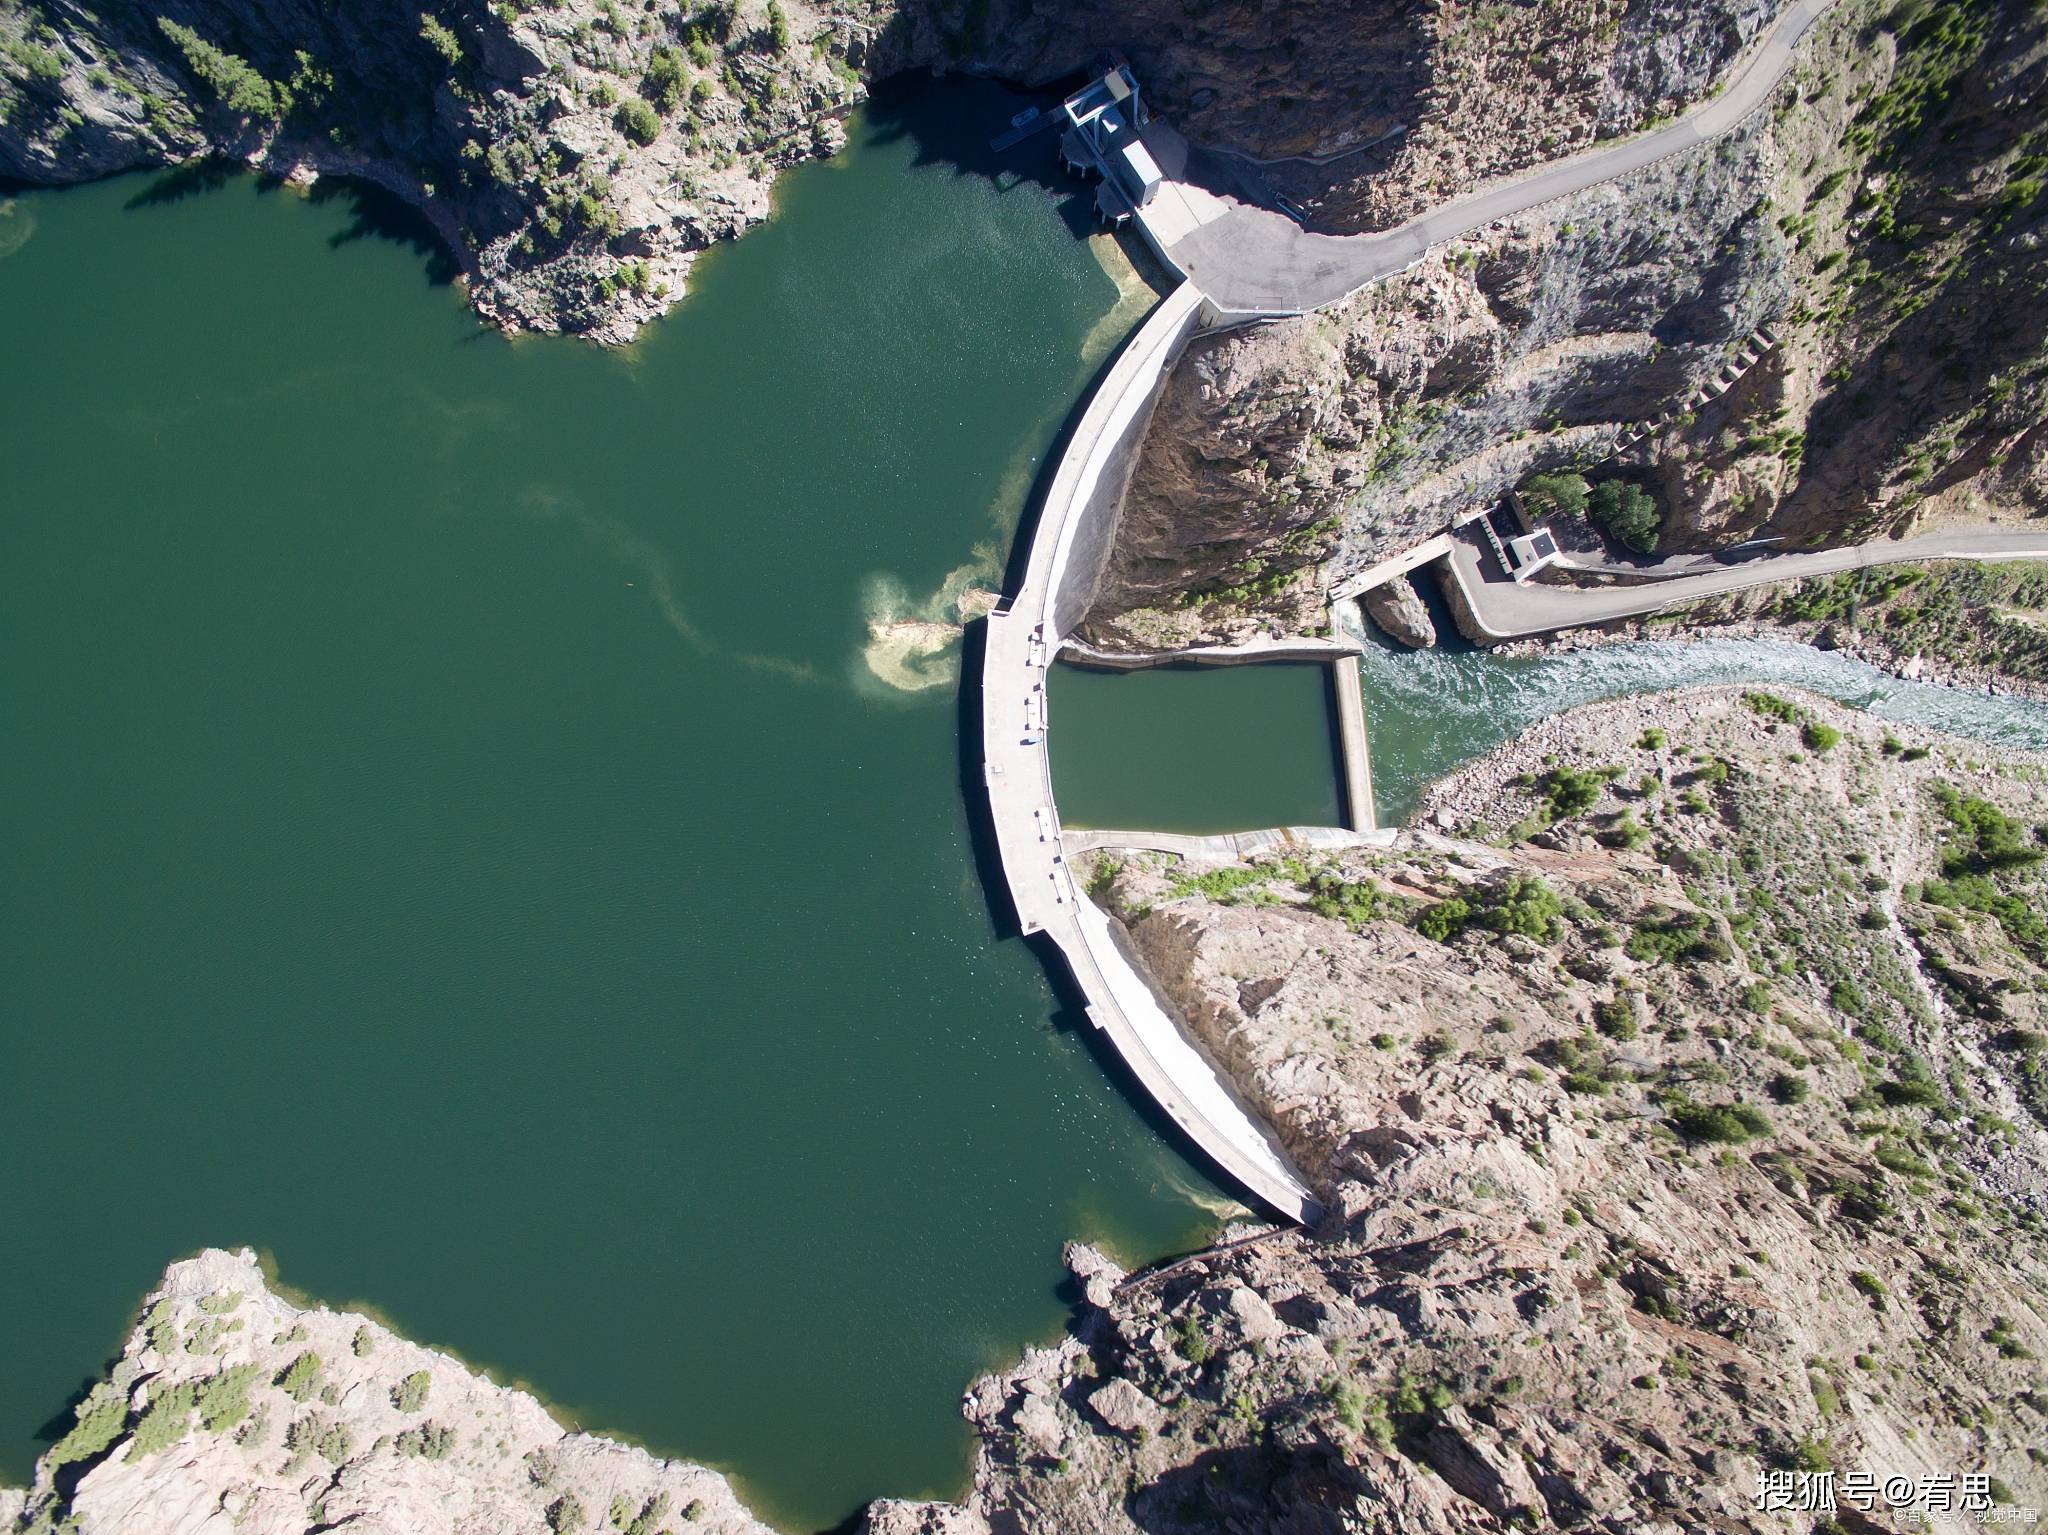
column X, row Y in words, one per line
column 1237, row 264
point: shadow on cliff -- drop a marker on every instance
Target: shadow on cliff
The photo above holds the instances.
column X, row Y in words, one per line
column 954, row 127
column 373, row 213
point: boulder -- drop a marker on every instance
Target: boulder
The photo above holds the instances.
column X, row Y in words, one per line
column 1127, row 1409
column 1398, row 609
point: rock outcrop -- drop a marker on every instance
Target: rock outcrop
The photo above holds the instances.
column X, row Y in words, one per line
column 1399, row 610
column 1881, row 222
column 232, row 1408
column 1683, row 1119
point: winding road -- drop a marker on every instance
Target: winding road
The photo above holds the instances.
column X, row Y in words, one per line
column 1252, row 262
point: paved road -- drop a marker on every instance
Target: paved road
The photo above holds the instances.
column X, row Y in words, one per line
column 1509, row 612
column 1252, row 261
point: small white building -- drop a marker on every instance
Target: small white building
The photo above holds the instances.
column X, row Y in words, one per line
column 1139, row 173
column 1530, row 552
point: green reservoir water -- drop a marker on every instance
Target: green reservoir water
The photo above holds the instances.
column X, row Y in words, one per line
column 1195, row 748
column 455, row 842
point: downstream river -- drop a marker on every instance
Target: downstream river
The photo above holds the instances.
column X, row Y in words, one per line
column 458, row 842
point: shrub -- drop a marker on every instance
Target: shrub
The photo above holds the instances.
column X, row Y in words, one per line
column 1910, row 1092
column 430, row 1441
column 232, row 79
column 778, row 27
column 440, row 39
column 163, row 1421
column 1616, row 1019
column 224, row 1401
column 301, row 1377
column 1571, row 791
column 100, row 1418
column 1788, row 1087
column 1726, row 1123
column 1445, row 919
column 1194, row 1344
column 1626, row 511
column 1819, row 737
column 1524, row 905
column 1667, row 936
column 1554, row 495
column 410, row 1394
column 638, row 121
column 667, row 81
column 566, row 1516
column 1869, row 1284
column 363, row 1343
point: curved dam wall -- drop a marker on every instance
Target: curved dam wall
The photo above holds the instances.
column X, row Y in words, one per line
column 1087, row 493
column 1025, row 634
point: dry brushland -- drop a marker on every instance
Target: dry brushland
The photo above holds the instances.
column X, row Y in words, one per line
column 234, row 1408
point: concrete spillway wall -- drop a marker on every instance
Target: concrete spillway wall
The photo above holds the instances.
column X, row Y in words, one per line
column 1070, row 544
column 1103, row 454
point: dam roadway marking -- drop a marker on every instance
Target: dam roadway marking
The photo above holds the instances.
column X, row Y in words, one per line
column 1260, row 270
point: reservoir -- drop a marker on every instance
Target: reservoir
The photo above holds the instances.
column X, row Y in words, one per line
column 1195, row 748
column 463, row 841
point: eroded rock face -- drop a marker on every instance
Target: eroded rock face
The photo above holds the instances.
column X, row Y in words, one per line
column 1563, row 1281
column 247, row 1412
column 1894, row 263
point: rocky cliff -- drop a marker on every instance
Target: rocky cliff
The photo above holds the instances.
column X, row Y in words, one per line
column 1681, row 1112
column 1882, row 221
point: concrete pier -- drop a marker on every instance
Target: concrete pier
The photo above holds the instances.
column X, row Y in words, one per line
column 1351, row 739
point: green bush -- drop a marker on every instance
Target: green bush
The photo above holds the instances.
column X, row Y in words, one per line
column 100, row 1418
column 1666, row 936
column 1771, row 706
column 778, row 27
column 1444, row 920
column 1626, row 511
column 1788, row 1087
column 638, row 121
column 1572, row 791
column 233, row 80
column 440, row 39
column 1819, row 737
column 1616, row 1018
column 1524, row 905
column 410, row 1394
column 224, row 1401
column 163, row 1421
column 301, row 1377
column 1726, row 1123
column 667, row 81
column 1554, row 495
column 430, row 1441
